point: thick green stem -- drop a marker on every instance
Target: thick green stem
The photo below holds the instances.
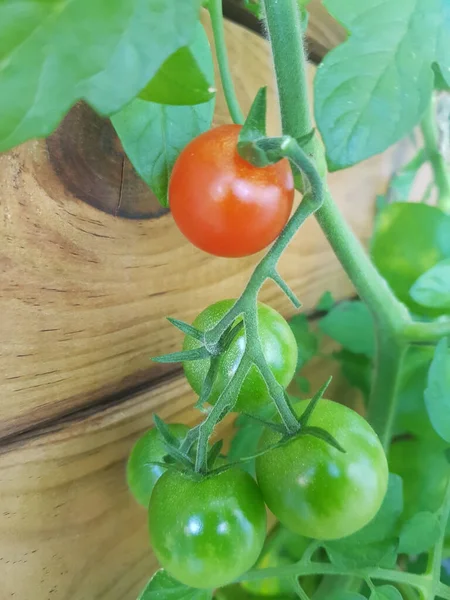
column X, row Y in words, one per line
column 369, row 284
column 440, row 168
column 389, row 353
column 217, row 22
column 285, row 35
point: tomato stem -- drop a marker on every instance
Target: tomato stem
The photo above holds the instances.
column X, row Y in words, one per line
column 286, row 38
column 430, row 332
column 440, row 169
column 218, row 28
column 390, row 351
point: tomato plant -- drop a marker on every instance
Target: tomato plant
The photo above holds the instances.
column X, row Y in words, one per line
column 315, row 489
column 206, row 533
column 241, row 209
column 279, row 349
column 321, row 467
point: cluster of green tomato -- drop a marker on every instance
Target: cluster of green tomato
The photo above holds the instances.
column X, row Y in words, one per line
column 208, row 530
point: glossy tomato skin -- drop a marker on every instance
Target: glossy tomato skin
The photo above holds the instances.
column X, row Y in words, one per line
column 279, row 347
column 207, row 533
column 314, row 489
column 142, row 475
column 223, row 204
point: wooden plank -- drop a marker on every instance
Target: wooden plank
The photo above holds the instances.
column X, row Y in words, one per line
column 84, row 293
column 69, row 528
column 323, row 32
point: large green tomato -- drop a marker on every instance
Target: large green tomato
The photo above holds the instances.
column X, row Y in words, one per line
column 142, row 474
column 207, row 533
column 279, row 347
column 316, row 490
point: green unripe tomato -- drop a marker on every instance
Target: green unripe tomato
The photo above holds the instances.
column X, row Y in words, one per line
column 316, row 490
column 142, row 475
column 279, row 347
column 208, row 532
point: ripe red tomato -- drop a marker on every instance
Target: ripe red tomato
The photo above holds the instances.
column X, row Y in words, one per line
column 223, row 204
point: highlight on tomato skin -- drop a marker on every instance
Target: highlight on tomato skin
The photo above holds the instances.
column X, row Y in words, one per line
column 223, row 204
column 209, row 532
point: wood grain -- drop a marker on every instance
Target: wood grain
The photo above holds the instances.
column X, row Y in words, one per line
column 69, row 530
column 83, row 294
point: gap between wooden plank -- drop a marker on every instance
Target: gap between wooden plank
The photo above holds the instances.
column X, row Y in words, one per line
column 109, row 401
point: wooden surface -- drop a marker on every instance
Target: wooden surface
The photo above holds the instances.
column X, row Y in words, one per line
column 83, row 293
column 69, row 529
column 323, row 32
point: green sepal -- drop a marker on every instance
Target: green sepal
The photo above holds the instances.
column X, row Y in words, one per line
column 176, row 357
column 313, row 403
column 187, row 329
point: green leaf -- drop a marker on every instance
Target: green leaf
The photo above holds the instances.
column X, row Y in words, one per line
column 326, row 302
column 350, row 557
column 343, row 595
column 350, row 324
column 432, row 289
column 246, row 440
column 307, row 340
column 386, row 592
column 181, row 81
column 437, row 394
column 443, row 42
column 383, row 70
column 401, row 262
column 163, row 587
column 425, row 472
column 411, row 414
column 376, row 543
column 153, row 135
column 357, row 369
column 53, row 54
column 254, row 7
column 419, row 534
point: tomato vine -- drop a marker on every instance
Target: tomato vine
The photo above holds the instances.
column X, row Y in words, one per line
column 207, row 516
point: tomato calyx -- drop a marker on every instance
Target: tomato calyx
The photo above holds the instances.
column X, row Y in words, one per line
column 261, row 151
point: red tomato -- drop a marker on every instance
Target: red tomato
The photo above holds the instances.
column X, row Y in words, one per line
column 223, row 204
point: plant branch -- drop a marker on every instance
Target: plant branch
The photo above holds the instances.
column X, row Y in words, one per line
column 430, row 332
column 369, row 284
column 389, row 354
column 302, row 569
column 286, row 38
column 440, row 168
column 246, row 306
column 217, row 22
